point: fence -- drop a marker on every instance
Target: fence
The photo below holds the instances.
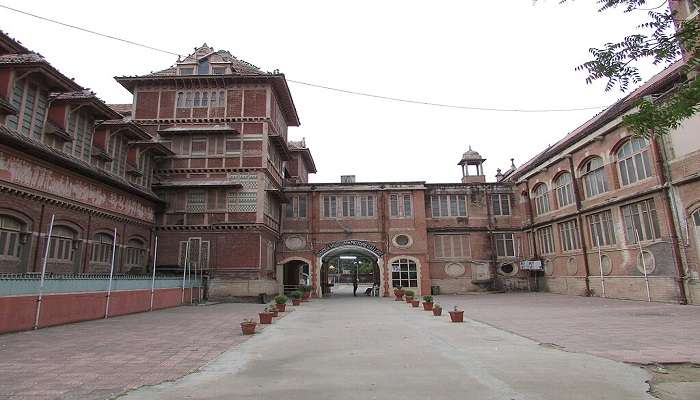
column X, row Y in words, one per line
column 80, row 297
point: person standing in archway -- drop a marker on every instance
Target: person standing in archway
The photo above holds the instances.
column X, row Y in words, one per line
column 354, row 286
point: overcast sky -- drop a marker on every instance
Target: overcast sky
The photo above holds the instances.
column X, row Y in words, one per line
column 506, row 54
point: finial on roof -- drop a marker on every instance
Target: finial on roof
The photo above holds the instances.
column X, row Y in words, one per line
column 512, row 163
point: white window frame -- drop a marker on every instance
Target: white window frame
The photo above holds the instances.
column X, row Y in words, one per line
column 569, row 237
column 505, row 238
column 448, row 205
column 545, row 239
column 564, row 189
column 397, row 205
column 501, row 199
column 642, row 217
column 601, row 226
column 637, row 161
column 594, row 178
column 541, row 198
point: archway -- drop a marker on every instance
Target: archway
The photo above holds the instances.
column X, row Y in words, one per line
column 343, row 261
column 295, row 273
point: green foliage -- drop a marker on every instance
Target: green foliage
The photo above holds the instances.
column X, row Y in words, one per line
column 428, row 298
column 296, row 294
column 306, row 288
column 664, row 38
column 409, row 293
column 281, row 299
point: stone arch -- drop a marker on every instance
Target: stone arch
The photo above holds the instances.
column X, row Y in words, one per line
column 279, row 269
column 357, row 246
column 419, row 265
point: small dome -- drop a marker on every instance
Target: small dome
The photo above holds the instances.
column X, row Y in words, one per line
column 471, row 155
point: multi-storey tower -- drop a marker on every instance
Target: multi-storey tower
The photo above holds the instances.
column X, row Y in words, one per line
column 226, row 122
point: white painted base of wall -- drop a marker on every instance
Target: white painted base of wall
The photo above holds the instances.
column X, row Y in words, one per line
column 220, row 289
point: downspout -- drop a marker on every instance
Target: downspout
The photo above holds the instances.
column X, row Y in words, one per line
column 671, row 217
column 531, row 218
column 489, row 227
column 38, row 241
column 385, row 238
column 579, row 221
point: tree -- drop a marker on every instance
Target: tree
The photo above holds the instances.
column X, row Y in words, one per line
column 663, row 39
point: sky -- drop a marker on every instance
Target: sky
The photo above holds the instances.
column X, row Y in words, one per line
column 499, row 54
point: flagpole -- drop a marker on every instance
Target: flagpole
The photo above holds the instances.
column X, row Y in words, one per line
column 43, row 274
column 111, row 272
column 153, row 276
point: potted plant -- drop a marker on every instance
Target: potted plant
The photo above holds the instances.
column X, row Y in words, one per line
column 265, row 317
column 248, row 326
column 437, row 309
column 296, row 297
column 272, row 309
column 281, row 301
column 408, row 294
column 428, row 302
column 306, row 292
column 457, row 315
column 399, row 292
column 415, row 303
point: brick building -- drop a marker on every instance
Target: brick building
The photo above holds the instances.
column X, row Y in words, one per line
column 201, row 160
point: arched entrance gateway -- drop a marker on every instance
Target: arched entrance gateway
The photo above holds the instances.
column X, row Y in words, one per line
column 342, row 261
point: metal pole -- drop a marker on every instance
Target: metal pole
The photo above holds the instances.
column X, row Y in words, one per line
column 644, row 264
column 184, row 271
column 43, row 274
column 153, row 276
column 600, row 263
column 111, row 272
column 189, row 279
column 195, row 281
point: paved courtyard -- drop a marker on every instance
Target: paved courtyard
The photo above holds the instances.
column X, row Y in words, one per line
column 360, row 347
column 630, row 331
column 99, row 359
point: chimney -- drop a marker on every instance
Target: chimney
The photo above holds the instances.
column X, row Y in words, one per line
column 347, row 178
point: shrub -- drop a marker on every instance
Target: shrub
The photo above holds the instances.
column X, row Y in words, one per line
column 281, row 299
column 409, row 292
column 437, row 306
column 296, row 294
column 428, row 298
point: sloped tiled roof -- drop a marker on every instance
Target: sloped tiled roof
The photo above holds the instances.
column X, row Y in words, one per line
column 124, row 109
column 11, row 45
column 240, row 67
column 618, row 108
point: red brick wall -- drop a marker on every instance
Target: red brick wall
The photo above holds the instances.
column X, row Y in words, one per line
column 146, row 104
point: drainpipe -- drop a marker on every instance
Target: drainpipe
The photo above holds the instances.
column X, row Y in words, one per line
column 382, row 206
column 38, row 241
column 579, row 221
column 490, row 226
column 531, row 217
column 671, row 216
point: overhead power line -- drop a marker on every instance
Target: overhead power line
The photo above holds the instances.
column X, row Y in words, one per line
column 315, row 85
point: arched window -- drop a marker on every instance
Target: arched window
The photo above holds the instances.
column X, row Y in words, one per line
column 61, row 245
column 634, row 161
column 205, row 99
column 102, row 248
column 214, row 99
column 188, row 100
column 594, row 180
column 541, row 199
column 222, row 98
column 180, row 99
column 196, row 99
column 10, row 229
column 135, row 253
column 404, row 273
column 564, row 189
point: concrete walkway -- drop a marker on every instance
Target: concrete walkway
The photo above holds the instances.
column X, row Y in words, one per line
column 374, row 348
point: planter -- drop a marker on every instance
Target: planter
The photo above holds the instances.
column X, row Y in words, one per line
column 415, row 303
column 307, row 296
column 437, row 312
column 427, row 306
column 399, row 298
column 296, row 302
column 274, row 312
column 248, row 328
column 265, row 318
column 281, row 307
column 457, row 316
column 409, row 299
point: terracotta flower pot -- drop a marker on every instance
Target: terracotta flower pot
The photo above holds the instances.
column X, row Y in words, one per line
column 265, row 318
column 415, row 303
column 399, row 298
column 296, row 302
column 274, row 312
column 457, row 316
column 306, row 296
column 281, row 307
column 409, row 299
column 428, row 306
column 437, row 312
column 248, row 328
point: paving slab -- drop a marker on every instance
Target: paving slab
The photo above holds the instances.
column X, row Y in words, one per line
column 622, row 330
column 375, row 348
column 100, row 359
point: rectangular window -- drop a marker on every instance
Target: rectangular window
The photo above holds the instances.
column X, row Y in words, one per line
column 640, row 218
column 451, row 246
column 31, row 102
column 348, row 206
column 196, row 201
column 444, row 205
column 394, row 205
column 301, row 207
column 404, row 273
column 500, row 204
column 400, row 205
column 329, row 207
column 545, row 240
column 407, row 209
column 199, row 147
column 601, row 229
column 367, row 206
column 505, row 244
column 568, row 236
column 296, row 207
